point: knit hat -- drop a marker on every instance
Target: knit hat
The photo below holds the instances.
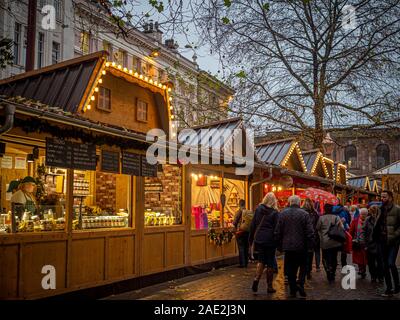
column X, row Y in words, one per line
column 13, row 185
column 28, row 179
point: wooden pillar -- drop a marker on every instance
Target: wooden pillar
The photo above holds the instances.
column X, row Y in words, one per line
column 186, row 211
column 139, row 223
column 69, row 216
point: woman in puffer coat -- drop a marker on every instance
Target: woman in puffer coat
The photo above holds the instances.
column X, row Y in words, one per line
column 262, row 236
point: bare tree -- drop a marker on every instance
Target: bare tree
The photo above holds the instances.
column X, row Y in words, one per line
column 308, row 66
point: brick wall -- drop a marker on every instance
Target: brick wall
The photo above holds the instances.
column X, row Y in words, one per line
column 105, row 194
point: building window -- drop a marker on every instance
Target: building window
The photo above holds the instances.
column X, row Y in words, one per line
column 25, row 45
column 85, row 42
column 58, row 7
column 17, row 42
column 350, row 156
column 40, row 50
column 55, row 53
column 104, row 99
column 141, row 108
column 382, row 155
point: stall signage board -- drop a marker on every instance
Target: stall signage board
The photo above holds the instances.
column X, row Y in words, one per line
column 110, row 161
column 65, row 154
column 131, row 163
column 7, row 162
column 147, row 169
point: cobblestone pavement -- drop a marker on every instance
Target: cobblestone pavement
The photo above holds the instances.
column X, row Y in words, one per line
column 233, row 283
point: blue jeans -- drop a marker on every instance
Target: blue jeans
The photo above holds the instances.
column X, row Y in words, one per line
column 243, row 246
column 389, row 254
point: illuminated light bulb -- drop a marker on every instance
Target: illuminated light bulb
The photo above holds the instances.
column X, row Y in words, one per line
column 170, row 98
column 107, row 64
column 172, row 116
column 96, row 89
column 100, row 80
column 113, row 64
column 141, row 76
column 164, row 86
column 146, row 79
column 200, row 175
column 103, row 72
column 173, row 126
column 92, row 98
column 119, row 67
column 160, row 85
column 155, row 82
column 136, row 74
column 88, row 107
column 130, row 71
column 171, row 108
column 125, row 69
column 169, row 89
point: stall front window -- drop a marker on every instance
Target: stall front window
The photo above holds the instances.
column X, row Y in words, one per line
column 32, row 195
column 206, row 201
column 234, row 190
column 163, row 197
column 101, row 200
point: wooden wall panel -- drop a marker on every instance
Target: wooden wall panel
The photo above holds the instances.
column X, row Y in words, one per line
column 213, row 251
column 230, row 248
column 8, row 271
column 175, row 248
column 121, row 256
column 198, row 248
column 87, row 261
column 37, row 255
column 153, row 252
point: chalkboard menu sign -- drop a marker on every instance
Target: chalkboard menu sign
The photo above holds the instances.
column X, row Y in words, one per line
column 83, row 156
column 58, row 153
column 148, row 170
column 131, row 163
column 65, row 154
column 110, row 161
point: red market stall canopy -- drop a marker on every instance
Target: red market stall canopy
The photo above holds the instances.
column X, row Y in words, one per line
column 320, row 195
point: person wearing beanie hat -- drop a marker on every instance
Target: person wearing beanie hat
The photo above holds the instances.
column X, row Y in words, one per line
column 330, row 247
column 24, row 199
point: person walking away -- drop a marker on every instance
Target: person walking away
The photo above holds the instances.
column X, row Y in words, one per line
column 314, row 216
column 294, row 234
column 374, row 261
column 359, row 254
column 387, row 233
column 262, row 237
column 330, row 247
column 345, row 217
column 241, row 223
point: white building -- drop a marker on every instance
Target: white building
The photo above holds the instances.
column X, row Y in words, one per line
column 83, row 27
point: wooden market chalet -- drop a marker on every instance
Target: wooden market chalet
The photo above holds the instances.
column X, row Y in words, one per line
column 105, row 216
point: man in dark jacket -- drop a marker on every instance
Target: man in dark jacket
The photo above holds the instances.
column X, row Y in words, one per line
column 387, row 234
column 294, row 234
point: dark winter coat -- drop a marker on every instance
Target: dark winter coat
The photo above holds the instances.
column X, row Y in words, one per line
column 314, row 216
column 368, row 229
column 265, row 231
column 294, row 231
column 392, row 223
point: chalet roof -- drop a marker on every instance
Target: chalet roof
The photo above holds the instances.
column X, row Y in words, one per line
column 393, row 168
column 359, row 182
column 61, row 85
column 310, row 157
column 274, row 152
column 215, row 135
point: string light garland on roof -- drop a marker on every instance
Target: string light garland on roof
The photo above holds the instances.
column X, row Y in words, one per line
column 136, row 75
column 294, row 146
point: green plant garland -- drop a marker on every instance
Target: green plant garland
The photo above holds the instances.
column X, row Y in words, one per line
column 220, row 238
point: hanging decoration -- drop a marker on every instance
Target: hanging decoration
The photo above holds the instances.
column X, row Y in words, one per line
column 221, row 238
